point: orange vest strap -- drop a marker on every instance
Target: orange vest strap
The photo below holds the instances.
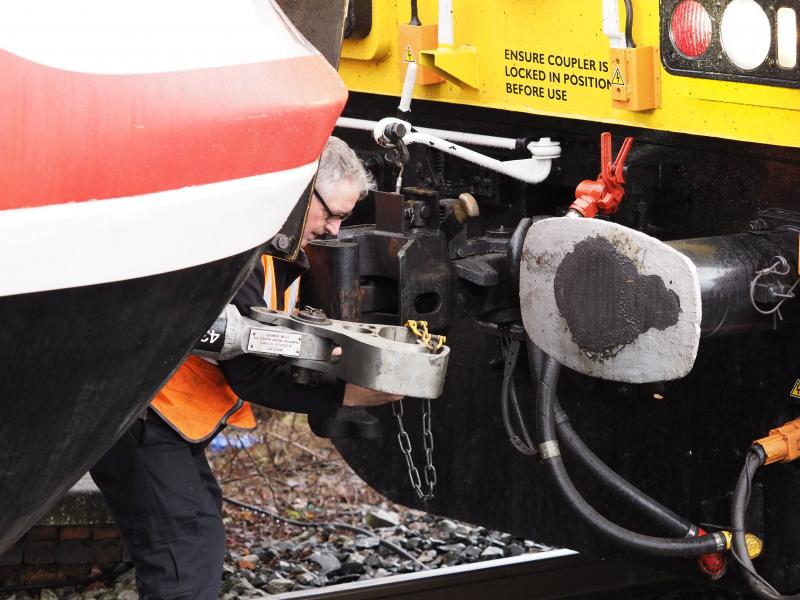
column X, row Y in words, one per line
column 290, row 295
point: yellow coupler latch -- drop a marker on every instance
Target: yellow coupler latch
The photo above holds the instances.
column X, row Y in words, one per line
column 782, row 444
column 635, row 78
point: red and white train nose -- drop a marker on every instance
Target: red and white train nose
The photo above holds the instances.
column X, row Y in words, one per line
column 146, row 121
column 148, row 149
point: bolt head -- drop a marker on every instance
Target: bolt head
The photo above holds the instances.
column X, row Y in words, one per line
column 281, row 242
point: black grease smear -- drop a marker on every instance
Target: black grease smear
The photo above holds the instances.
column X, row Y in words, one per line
column 606, row 302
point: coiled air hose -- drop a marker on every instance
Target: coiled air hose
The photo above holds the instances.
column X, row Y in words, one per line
column 741, row 498
column 551, row 456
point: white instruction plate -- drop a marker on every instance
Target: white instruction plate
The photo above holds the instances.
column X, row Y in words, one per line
column 274, row 342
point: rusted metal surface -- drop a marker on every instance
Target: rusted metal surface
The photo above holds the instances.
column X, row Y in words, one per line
column 335, row 285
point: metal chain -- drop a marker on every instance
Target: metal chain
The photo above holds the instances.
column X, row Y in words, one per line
column 405, row 446
column 398, row 155
column 434, row 344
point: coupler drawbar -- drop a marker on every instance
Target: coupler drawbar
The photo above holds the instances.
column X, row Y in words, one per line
column 386, row 358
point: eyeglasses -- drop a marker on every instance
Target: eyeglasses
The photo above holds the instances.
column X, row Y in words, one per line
column 332, row 216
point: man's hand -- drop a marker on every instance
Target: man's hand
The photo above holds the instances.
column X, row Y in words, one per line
column 355, row 395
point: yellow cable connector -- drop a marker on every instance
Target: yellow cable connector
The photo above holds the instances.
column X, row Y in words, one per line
column 755, row 546
column 782, row 444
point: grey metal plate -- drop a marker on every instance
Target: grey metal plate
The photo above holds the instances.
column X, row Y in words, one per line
column 609, row 301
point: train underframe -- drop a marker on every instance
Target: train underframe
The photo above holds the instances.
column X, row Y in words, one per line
column 682, row 442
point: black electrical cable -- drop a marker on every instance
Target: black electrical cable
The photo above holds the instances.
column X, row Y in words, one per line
column 629, row 25
column 508, row 395
column 741, row 498
column 672, row 522
column 414, row 17
column 548, row 448
column 263, row 511
column 508, row 392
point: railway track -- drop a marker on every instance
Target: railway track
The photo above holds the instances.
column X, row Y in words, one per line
column 551, row 575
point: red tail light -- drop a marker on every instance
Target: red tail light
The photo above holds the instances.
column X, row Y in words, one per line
column 690, row 29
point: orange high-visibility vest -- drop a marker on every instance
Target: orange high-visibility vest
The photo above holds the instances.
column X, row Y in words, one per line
column 197, row 400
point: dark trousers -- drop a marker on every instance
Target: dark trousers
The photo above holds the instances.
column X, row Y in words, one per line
column 168, row 507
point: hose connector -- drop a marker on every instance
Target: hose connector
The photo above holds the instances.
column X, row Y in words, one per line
column 782, row 444
column 754, row 544
column 713, row 564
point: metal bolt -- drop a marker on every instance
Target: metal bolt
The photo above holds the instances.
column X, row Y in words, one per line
column 312, row 315
column 395, row 131
column 281, row 242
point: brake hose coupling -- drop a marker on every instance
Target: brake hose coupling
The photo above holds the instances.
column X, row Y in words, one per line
column 713, row 564
column 782, row 444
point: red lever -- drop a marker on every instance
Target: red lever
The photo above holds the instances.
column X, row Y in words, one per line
column 604, row 194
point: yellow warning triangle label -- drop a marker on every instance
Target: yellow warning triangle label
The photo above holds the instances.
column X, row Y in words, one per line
column 408, row 56
column 617, row 78
column 796, row 389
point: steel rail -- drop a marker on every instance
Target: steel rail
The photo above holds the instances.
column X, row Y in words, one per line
column 548, row 575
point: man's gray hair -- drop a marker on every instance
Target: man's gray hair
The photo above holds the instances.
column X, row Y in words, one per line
column 339, row 162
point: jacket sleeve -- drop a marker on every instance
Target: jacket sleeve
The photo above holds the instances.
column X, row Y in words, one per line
column 270, row 383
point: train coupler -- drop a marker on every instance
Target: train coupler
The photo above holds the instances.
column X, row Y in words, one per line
column 386, row 358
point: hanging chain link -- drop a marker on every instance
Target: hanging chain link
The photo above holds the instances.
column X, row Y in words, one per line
column 405, row 446
column 434, row 343
column 398, row 155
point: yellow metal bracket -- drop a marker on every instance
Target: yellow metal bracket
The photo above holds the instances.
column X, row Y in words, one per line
column 376, row 46
column 458, row 64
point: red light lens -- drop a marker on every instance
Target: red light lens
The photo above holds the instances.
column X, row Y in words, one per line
column 690, row 29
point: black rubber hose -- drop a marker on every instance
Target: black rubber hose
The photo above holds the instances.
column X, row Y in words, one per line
column 741, row 498
column 672, row 522
column 548, row 449
column 515, row 249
